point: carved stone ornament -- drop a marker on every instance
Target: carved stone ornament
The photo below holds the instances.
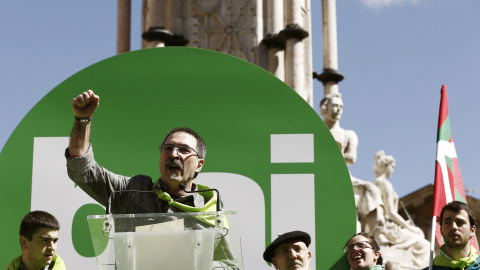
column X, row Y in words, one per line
column 208, row 6
column 228, row 28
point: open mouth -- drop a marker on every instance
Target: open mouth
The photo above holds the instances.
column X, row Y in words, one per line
column 174, row 168
column 174, row 165
column 357, row 258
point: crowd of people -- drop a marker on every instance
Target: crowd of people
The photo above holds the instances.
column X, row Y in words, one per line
column 182, row 157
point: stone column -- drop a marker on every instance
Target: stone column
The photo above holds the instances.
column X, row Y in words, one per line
column 330, row 76
column 173, row 16
column 275, row 23
column 163, row 19
column 293, row 35
column 154, row 33
column 123, row 25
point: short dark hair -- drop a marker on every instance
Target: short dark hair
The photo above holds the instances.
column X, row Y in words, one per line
column 36, row 220
column 456, row 206
column 201, row 147
column 372, row 242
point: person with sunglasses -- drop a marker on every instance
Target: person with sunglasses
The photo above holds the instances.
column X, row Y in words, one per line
column 363, row 253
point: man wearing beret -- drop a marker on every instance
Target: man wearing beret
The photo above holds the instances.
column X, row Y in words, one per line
column 289, row 251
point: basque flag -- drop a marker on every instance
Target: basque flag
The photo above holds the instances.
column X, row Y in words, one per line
column 448, row 179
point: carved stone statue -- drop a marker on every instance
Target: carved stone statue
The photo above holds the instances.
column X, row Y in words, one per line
column 331, row 108
column 367, row 195
column 398, row 235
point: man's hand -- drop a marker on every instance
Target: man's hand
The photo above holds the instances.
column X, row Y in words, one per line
column 85, row 104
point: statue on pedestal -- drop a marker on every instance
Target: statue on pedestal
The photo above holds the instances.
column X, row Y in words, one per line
column 398, row 235
column 367, row 196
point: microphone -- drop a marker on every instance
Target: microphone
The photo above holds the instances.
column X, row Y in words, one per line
column 219, row 221
column 108, row 223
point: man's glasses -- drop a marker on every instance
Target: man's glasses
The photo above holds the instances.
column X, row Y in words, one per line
column 182, row 149
column 359, row 245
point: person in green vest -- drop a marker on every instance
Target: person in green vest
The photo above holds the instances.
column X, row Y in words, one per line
column 363, row 252
column 289, row 251
column 458, row 223
column 38, row 239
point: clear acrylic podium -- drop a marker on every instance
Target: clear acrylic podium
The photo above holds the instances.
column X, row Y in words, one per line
column 169, row 241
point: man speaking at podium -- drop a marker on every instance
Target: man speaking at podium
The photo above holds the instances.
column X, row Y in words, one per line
column 182, row 157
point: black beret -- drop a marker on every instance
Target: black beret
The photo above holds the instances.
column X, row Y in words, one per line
column 295, row 235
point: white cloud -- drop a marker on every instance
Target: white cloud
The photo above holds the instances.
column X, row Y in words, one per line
column 385, row 3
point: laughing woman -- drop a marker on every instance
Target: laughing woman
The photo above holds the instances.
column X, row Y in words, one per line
column 363, row 253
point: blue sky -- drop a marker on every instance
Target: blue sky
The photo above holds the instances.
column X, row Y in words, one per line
column 395, row 55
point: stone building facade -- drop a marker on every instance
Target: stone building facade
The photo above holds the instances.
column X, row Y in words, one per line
column 270, row 33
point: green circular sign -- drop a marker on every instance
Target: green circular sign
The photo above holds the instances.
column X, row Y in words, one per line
column 254, row 125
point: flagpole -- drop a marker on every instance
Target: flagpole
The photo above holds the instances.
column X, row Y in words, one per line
column 448, row 185
column 432, row 242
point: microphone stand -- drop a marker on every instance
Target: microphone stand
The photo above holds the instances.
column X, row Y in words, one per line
column 108, row 223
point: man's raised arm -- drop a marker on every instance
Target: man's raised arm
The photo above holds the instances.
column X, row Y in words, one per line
column 84, row 107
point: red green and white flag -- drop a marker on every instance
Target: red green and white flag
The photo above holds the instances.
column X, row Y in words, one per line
column 448, row 179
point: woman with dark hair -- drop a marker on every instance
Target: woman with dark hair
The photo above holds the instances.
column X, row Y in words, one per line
column 363, row 253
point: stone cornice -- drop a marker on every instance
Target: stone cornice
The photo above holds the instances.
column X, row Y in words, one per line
column 328, row 75
column 159, row 33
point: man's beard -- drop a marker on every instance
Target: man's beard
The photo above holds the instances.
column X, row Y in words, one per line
column 177, row 163
column 174, row 175
column 456, row 244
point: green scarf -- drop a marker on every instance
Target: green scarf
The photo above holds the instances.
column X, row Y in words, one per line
column 210, row 205
column 376, row 267
column 15, row 263
column 442, row 259
column 56, row 264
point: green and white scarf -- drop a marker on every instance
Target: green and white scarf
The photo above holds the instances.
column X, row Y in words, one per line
column 442, row 259
column 210, row 205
